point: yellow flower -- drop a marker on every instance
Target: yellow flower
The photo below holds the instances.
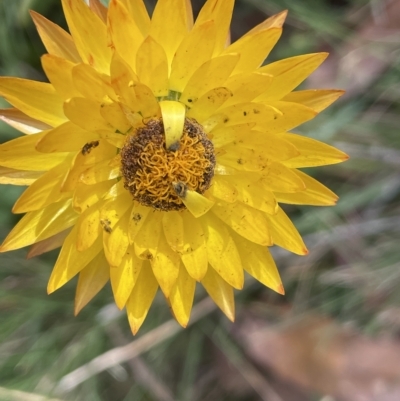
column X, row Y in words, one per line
column 158, row 154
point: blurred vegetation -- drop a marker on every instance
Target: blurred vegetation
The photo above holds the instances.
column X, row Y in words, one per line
column 351, row 274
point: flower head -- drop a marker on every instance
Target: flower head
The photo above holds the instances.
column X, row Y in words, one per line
column 159, row 154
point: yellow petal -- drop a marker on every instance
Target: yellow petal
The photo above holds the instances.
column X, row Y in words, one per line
column 148, row 104
column 212, row 74
column 195, row 49
column 67, row 137
column 253, row 48
column 113, row 115
column 48, row 244
column 221, row 251
column 165, row 264
column 141, row 298
column 196, row 203
column 18, row 177
column 147, row 238
column 21, row 122
column 89, row 33
column 169, row 39
column 91, row 280
column 312, row 152
column 125, row 35
column 101, row 171
column 181, row 297
column 221, row 13
column 246, row 221
column 91, row 83
column 137, row 218
column 220, row 292
column 246, row 87
column 59, row 73
column 315, row 193
column 291, row 115
column 275, row 21
column 223, row 189
column 70, row 262
column 116, row 244
column 89, row 227
column 124, row 277
column 121, row 77
column 21, row 154
column 39, row 225
column 87, row 195
column 38, row 100
column 315, row 99
column 194, row 255
column 173, row 115
column 152, row 66
column 56, row 41
column 289, row 73
column 225, row 135
column 85, row 113
column 258, row 262
column 98, row 9
column 44, row 191
column 174, row 230
column 207, row 105
column 285, row 234
column 113, row 210
column 138, row 12
column 277, row 177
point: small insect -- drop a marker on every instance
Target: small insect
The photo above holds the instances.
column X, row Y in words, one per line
column 174, row 147
column 137, row 217
column 180, row 189
column 87, row 148
column 106, row 225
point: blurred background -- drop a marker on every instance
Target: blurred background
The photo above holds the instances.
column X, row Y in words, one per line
column 335, row 336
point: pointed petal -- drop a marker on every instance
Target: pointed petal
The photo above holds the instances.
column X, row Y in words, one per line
column 195, row 49
column 38, row 100
column 138, row 12
column 315, row 99
column 312, row 152
column 221, row 13
column 85, row 113
column 247, row 222
column 48, row 244
column 91, row 280
column 285, row 234
column 147, row 238
column 56, row 41
column 141, row 298
column 39, row 225
column 59, row 73
column 223, row 189
column 124, row 277
column 315, row 193
column 92, row 84
column 89, row 227
column 220, row 292
column 173, row 115
column 277, row 177
column 21, row 122
column 87, row 195
column 258, row 262
column 165, row 265
column 170, row 38
column 137, row 218
column 196, row 203
column 113, row 115
column 289, row 73
column 254, row 48
column 125, row 35
column 221, row 251
column 70, row 261
column 152, row 67
column 174, row 230
column 212, row 74
column 44, row 191
column 67, row 137
column 89, row 33
column 181, row 297
column 18, row 177
column 98, row 9
column 148, row 104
